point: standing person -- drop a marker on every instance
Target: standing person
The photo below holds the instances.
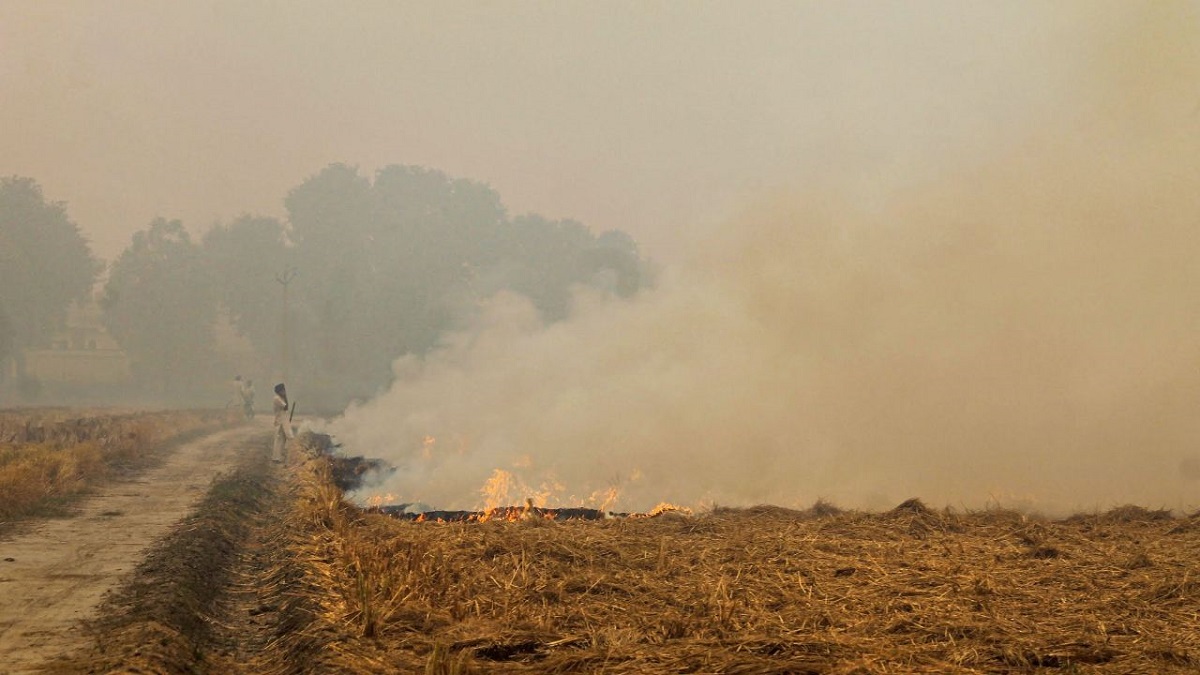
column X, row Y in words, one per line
column 237, row 391
column 248, row 399
column 283, row 426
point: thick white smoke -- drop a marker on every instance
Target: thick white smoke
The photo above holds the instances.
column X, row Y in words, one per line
column 1023, row 332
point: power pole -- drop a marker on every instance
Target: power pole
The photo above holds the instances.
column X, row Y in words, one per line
column 284, row 279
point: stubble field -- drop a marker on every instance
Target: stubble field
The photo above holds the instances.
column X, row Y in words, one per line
column 758, row 590
column 275, row 572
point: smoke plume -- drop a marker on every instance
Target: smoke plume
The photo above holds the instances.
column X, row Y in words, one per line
column 1019, row 327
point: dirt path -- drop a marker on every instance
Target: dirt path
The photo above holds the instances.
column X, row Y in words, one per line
column 56, row 573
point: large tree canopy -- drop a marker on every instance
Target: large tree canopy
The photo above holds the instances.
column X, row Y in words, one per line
column 381, row 264
column 383, row 268
column 160, row 305
column 387, row 267
column 45, row 263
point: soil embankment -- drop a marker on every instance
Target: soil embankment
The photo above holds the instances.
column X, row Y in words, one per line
column 56, row 572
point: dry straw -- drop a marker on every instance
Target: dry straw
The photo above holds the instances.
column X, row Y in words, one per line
column 757, row 590
column 49, row 457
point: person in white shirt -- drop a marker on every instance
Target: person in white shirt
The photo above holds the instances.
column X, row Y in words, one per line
column 283, row 426
column 248, row 399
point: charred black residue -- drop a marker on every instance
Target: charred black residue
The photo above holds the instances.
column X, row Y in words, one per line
column 348, row 472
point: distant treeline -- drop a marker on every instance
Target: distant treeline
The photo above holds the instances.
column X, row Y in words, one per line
column 374, row 270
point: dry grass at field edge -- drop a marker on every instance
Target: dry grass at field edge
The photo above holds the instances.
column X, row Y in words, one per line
column 50, row 459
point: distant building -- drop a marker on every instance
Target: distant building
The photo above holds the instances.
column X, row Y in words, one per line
column 82, row 354
column 84, row 361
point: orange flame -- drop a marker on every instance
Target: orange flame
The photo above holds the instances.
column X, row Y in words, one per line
column 664, row 507
column 381, row 500
column 496, row 488
column 503, row 488
column 604, row 498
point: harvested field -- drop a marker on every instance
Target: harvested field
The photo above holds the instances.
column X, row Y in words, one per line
column 160, row 620
column 48, row 458
column 276, row 573
column 54, row 572
column 758, row 590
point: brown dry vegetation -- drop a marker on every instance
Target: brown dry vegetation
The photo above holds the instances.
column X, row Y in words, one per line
column 161, row 619
column 759, row 590
column 49, row 457
column 276, row 576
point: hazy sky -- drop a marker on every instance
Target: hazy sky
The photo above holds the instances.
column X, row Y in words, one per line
column 646, row 116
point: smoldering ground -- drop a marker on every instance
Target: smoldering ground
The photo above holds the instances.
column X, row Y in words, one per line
column 1019, row 329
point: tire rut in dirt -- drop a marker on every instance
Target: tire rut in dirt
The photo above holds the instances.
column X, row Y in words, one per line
column 181, row 609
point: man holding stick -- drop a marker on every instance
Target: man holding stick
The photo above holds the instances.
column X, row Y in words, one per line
column 283, row 423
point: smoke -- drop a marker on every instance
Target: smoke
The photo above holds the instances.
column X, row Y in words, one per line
column 1019, row 329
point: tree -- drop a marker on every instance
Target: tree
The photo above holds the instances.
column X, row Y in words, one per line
column 244, row 258
column 45, row 264
column 433, row 233
column 543, row 259
column 329, row 214
column 617, row 252
column 383, row 266
column 159, row 304
column 387, row 268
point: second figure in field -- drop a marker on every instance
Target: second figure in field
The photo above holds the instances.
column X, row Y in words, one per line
column 248, row 399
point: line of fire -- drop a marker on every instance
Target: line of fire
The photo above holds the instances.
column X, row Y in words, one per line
column 349, row 475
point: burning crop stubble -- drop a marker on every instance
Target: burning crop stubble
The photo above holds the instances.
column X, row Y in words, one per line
column 1019, row 329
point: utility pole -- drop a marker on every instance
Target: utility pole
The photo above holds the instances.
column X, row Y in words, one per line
column 284, row 279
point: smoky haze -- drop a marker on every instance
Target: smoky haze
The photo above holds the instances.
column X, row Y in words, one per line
column 650, row 117
column 1014, row 325
column 934, row 249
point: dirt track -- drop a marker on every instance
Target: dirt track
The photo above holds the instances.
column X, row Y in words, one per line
column 56, row 573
